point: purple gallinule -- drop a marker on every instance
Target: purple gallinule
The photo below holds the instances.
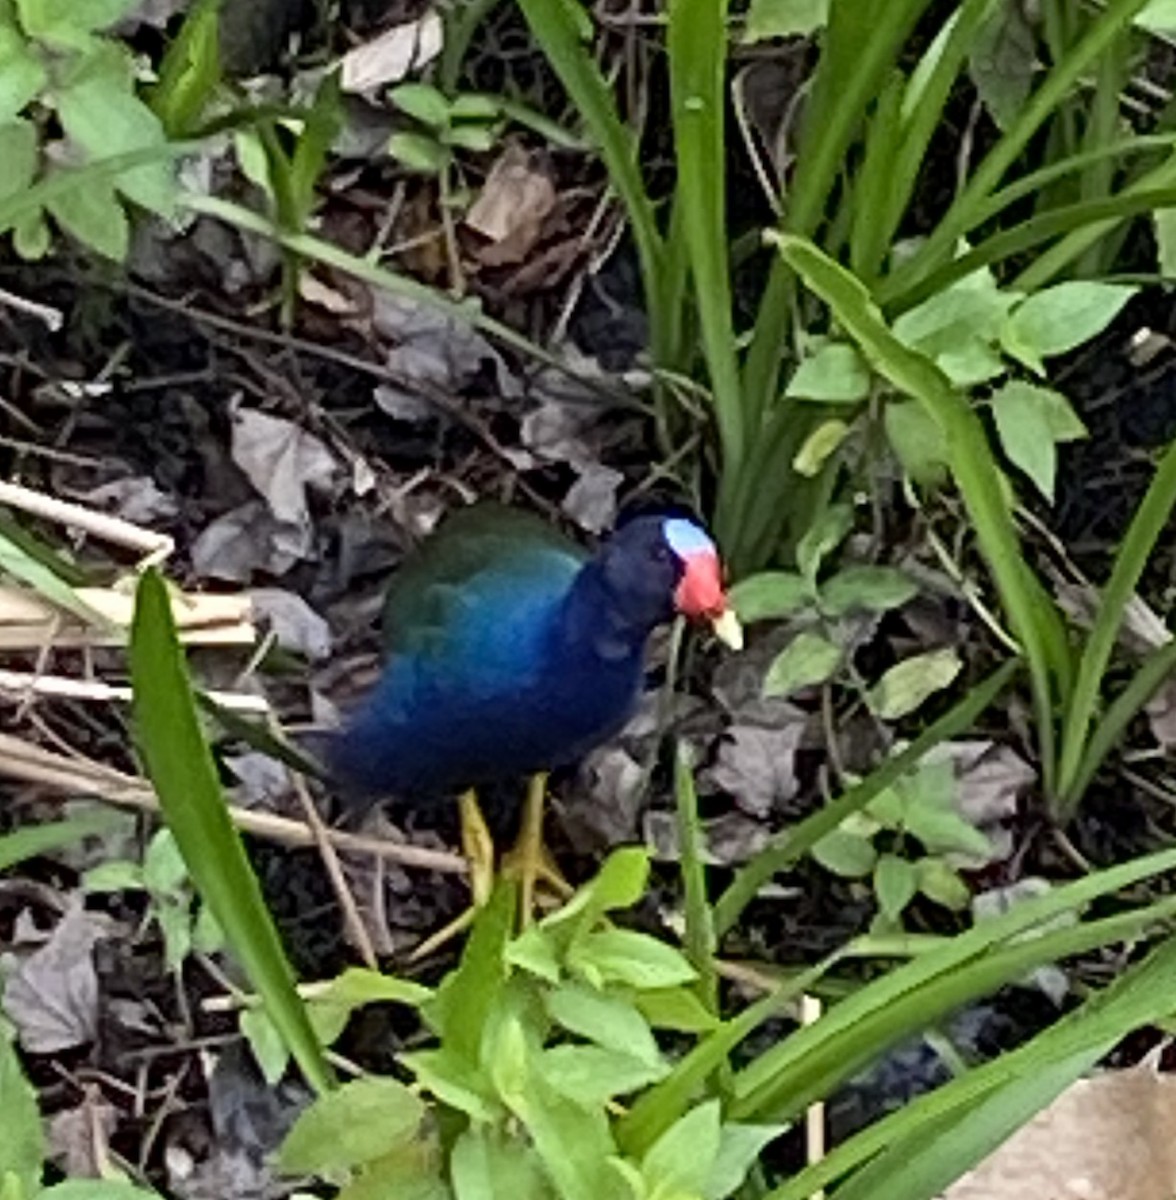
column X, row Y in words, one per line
column 512, row 651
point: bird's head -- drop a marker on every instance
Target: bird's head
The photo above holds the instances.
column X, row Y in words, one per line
column 664, row 565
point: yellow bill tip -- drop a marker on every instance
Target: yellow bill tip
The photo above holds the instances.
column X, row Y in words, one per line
column 728, row 629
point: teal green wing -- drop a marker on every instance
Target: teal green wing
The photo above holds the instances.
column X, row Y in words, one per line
column 484, row 540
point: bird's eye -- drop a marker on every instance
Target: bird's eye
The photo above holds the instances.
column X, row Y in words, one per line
column 661, row 553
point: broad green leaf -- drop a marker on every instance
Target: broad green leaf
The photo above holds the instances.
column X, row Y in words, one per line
column 67, row 22
column 895, row 884
column 823, row 442
column 534, row 951
column 739, row 1147
column 190, row 71
column 1030, row 420
column 207, row 935
column 959, row 328
column 682, row 1159
column 942, row 884
column 607, row 1020
column 770, row 596
column 846, row 854
column 91, row 213
column 866, row 588
column 676, row 1008
column 115, row 876
column 359, row 985
column 619, row 883
column 484, row 1165
column 106, row 119
column 269, row 1050
column 422, row 102
column 18, row 153
column 355, row 1124
column 806, row 661
column 22, row 1148
column 768, row 19
column 917, row 440
column 909, row 683
column 475, row 106
column 944, row 831
column 1061, row 317
column 175, row 923
column 163, row 864
column 627, row 957
column 1158, row 16
column 455, row 1081
column 22, row 76
column 31, row 237
column 828, row 530
column 479, row 138
column 418, row 153
column 835, row 374
column 411, row 1172
column 591, row 1075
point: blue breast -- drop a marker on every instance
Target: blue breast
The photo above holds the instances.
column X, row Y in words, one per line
column 493, row 686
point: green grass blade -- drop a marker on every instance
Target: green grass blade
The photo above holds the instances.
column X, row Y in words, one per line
column 790, row 846
column 697, row 47
column 862, row 43
column 1106, row 734
column 816, row 1059
column 1034, row 617
column 953, row 1127
column 1057, row 85
column 44, row 579
column 700, row 941
column 1081, row 221
column 1142, row 195
column 1146, row 526
column 21, row 844
column 181, row 769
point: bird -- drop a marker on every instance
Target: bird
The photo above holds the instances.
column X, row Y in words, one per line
column 512, row 650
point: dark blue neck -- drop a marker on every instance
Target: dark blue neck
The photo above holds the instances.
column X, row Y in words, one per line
column 597, row 620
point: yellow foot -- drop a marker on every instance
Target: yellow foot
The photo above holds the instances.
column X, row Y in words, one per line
column 530, row 860
column 478, row 848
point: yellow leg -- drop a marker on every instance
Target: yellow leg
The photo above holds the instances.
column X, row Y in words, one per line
column 530, row 858
column 478, row 848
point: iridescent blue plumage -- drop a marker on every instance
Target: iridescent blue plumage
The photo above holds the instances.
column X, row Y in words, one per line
column 511, row 651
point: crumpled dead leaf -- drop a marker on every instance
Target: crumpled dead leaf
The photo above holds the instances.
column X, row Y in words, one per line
column 757, row 764
column 136, row 498
column 51, row 997
column 431, row 348
column 1108, row 1137
column 390, row 56
column 78, row 1137
column 727, row 840
column 510, row 209
column 292, row 621
column 247, row 539
column 282, row 461
column 613, row 779
column 592, row 500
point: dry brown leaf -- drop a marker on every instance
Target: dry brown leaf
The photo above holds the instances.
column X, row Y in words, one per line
column 510, row 209
column 52, row 996
column 389, row 57
column 78, row 1137
column 757, row 764
column 1104, row 1138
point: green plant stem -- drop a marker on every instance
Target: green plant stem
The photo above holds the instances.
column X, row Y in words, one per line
column 699, row 940
column 1123, row 709
column 1146, row 526
column 790, row 846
